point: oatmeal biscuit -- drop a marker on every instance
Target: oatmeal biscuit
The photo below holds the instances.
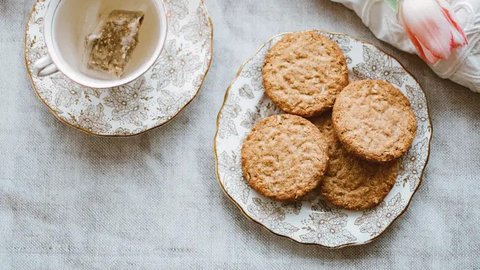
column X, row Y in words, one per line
column 284, row 157
column 304, row 72
column 350, row 182
column 374, row 120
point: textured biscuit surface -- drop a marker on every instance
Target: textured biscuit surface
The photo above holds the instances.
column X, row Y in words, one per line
column 350, row 182
column 284, row 157
column 374, row 120
column 304, row 72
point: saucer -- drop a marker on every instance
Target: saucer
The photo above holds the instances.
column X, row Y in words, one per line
column 146, row 103
column 312, row 220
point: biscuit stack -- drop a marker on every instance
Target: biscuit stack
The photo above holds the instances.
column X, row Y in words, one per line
column 341, row 140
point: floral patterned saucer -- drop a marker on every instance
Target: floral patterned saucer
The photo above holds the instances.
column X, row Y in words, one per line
column 150, row 101
column 312, row 221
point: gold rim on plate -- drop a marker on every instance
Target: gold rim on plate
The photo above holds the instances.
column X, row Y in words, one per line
column 264, row 226
column 85, row 131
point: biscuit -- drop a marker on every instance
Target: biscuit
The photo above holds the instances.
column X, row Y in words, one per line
column 284, row 157
column 304, row 72
column 350, row 182
column 374, row 120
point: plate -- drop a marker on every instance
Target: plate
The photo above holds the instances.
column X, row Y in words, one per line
column 311, row 220
column 148, row 102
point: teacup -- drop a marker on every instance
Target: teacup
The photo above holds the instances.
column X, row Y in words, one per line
column 67, row 23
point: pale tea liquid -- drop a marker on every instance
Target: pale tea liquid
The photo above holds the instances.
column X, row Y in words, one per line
column 85, row 17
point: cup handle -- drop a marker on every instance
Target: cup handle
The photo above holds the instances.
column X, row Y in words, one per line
column 44, row 67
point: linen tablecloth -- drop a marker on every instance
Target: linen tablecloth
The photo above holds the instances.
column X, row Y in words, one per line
column 70, row 201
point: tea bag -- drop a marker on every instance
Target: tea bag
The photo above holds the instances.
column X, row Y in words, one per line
column 111, row 48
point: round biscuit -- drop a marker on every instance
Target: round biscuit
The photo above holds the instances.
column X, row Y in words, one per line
column 374, row 120
column 304, row 72
column 284, row 157
column 350, row 182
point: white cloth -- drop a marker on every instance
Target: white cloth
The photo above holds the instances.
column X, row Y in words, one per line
column 463, row 67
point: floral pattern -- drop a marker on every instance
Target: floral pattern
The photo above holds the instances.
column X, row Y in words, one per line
column 417, row 101
column 166, row 104
column 129, row 102
column 93, row 118
column 374, row 221
column 148, row 102
column 312, row 220
column 263, row 109
column 252, row 70
column 67, row 96
column 175, row 65
column 410, row 169
column 177, row 10
column 344, row 44
column 272, row 214
column 327, row 228
column 379, row 67
column 231, row 169
column 197, row 29
column 246, row 92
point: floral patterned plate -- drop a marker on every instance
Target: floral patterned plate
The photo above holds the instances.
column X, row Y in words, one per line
column 150, row 101
column 312, row 221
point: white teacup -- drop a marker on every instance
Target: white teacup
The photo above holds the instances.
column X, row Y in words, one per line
column 68, row 22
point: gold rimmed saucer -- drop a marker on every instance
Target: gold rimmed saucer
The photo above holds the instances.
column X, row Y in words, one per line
column 148, row 102
column 311, row 220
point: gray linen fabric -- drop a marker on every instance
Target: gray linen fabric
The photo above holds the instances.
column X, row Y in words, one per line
column 70, row 201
